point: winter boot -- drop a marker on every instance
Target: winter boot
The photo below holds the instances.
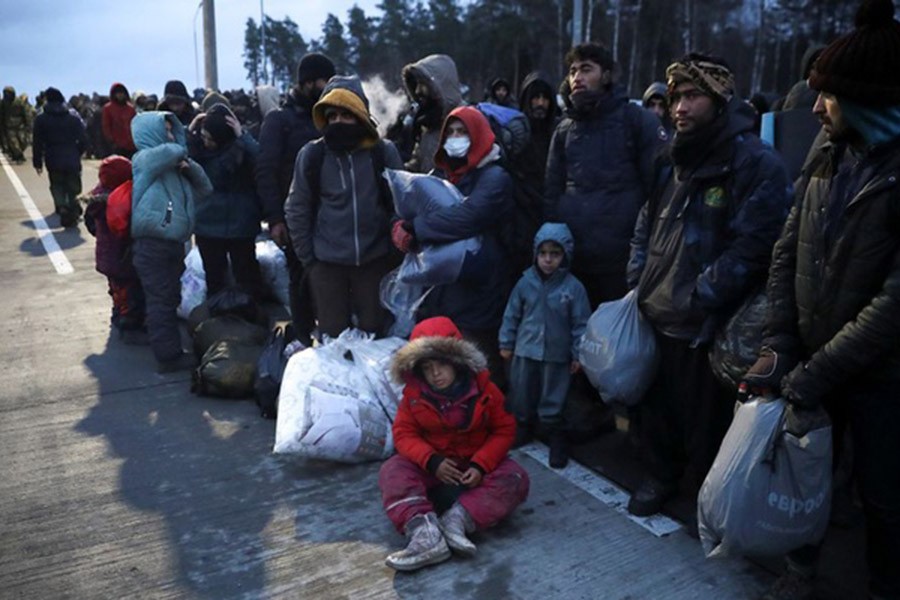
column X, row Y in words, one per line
column 455, row 524
column 426, row 545
column 792, row 585
column 559, row 451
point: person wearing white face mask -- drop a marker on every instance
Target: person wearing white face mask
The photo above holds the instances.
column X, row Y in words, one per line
column 468, row 157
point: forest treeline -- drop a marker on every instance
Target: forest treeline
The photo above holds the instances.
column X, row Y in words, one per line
column 763, row 40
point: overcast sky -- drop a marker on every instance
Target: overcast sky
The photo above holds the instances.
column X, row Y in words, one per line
column 85, row 46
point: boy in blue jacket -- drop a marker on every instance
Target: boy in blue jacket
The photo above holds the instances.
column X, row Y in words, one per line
column 542, row 326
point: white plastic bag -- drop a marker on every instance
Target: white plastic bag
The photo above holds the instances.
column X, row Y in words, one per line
column 193, row 283
column 335, row 401
column 768, row 491
column 618, row 351
column 402, row 300
column 273, row 265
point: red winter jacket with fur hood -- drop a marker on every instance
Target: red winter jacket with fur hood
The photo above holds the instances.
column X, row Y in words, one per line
column 420, row 431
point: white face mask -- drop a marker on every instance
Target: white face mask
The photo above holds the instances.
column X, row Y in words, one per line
column 457, row 147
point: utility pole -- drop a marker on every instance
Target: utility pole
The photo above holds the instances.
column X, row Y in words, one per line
column 209, row 45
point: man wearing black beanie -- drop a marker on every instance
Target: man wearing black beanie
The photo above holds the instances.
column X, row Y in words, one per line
column 833, row 335
column 59, row 141
column 284, row 131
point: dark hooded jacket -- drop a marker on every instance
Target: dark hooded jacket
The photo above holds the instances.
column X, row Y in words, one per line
column 530, row 166
column 233, row 209
column 704, row 239
column 477, row 300
column 348, row 224
column 177, row 90
column 546, row 316
column 283, row 133
column 509, row 101
column 117, row 120
column 801, row 96
column 834, row 300
column 59, row 138
column 438, row 71
column 599, row 172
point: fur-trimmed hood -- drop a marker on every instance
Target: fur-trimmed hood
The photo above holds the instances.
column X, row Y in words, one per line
column 438, row 338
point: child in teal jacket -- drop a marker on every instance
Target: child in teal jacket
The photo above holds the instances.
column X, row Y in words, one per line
column 166, row 185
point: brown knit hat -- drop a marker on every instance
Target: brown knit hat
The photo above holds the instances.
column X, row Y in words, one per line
column 864, row 65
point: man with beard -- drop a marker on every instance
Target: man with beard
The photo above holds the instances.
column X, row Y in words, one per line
column 833, row 335
column 284, row 131
column 433, row 85
column 338, row 213
column 599, row 170
column 701, row 246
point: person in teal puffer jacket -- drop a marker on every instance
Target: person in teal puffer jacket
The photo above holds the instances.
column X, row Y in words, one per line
column 166, row 186
column 544, row 320
column 228, row 220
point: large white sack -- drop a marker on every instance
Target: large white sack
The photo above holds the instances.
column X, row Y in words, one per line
column 336, row 403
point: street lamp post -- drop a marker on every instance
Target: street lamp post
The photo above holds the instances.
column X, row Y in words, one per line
column 209, row 45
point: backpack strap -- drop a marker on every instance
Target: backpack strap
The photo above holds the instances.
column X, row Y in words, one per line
column 313, row 173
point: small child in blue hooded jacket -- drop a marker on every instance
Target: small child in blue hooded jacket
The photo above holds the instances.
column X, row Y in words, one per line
column 542, row 326
column 166, row 185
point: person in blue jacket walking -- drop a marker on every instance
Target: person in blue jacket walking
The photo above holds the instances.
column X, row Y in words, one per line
column 166, row 185
column 544, row 320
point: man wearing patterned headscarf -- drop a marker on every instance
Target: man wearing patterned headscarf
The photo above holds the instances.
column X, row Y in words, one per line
column 701, row 247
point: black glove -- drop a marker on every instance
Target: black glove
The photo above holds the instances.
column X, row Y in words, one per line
column 803, row 389
column 765, row 376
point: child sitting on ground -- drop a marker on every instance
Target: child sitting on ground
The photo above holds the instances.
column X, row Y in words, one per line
column 545, row 318
column 452, row 434
column 112, row 254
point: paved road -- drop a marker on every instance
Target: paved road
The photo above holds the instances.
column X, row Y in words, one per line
column 116, row 482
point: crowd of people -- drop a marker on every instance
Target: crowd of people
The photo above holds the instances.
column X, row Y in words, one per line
column 678, row 199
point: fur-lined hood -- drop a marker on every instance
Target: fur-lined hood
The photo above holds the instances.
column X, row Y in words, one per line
column 439, row 338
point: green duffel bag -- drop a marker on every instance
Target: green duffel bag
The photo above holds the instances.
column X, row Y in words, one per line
column 227, row 370
column 230, row 328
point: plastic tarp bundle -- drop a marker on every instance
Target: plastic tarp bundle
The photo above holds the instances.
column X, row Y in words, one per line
column 736, row 346
column 618, row 351
column 418, row 194
column 768, row 491
column 337, row 402
column 273, row 265
column 227, row 370
column 402, row 300
column 193, row 283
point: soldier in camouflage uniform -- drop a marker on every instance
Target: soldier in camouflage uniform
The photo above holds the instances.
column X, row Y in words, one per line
column 15, row 126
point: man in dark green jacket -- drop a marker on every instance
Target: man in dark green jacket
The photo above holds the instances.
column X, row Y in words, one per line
column 833, row 333
column 701, row 247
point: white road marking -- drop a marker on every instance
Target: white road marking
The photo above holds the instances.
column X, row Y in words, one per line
column 51, row 247
column 603, row 490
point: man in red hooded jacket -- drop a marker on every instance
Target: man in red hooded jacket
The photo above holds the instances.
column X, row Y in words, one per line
column 117, row 115
column 452, row 432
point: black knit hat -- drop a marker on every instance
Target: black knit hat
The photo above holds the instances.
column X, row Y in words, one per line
column 864, row 65
column 314, row 66
column 214, row 123
column 53, row 95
